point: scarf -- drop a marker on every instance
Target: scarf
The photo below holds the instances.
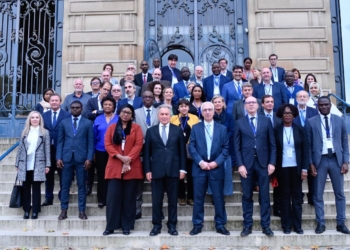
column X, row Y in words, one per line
column 32, row 140
column 46, row 106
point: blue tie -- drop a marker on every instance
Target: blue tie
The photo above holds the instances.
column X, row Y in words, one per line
column 216, row 80
column 302, row 116
column 239, row 89
column 148, row 118
column 54, row 120
column 208, row 139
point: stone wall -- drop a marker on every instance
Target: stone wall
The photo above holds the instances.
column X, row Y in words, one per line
column 99, row 32
column 298, row 31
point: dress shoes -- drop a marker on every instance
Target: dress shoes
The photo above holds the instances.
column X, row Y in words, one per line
column 83, row 216
column 47, row 203
column 126, row 232
column 88, row 190
column 138, row 216
column 190, row 202
column 182, row 202
column 195, row 231
column 26, row 215
column 108, row 232
column 343, row 229
column 277, row 213
column 154, row 232
column 63, row 215
column 320, row 228
column 267, row 231
column 246, row 231
column 299, row 231
column 34, row 216
column 286, row 231
column 223, row 231
column 173, row 231
column 101, row 205
column 256, row 189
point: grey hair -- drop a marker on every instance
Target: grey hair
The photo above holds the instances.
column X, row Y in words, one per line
column 131, row 82
column 247, row 84
column 211, row 104
column 164, row 106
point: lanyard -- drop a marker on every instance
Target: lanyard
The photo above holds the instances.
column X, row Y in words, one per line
column 268, row 92
column 183, row 126
column 291, row 90
column 328, row 131
column 290, row 134
column 198, row 109
column 206, row 130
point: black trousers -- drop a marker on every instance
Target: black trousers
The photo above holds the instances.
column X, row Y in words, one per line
column 121, row 207
column 189, row 185
column 31, row 193
column 291, row 190
column 101, row 162
column 171, row 186
column 50, row 177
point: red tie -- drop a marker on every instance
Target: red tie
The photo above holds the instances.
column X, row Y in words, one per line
column 144, row 79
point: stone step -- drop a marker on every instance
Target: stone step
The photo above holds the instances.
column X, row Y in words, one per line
column 8, row 141
column 147, row 196
column 232, row 209
column 74, row 239
column 98, row 223
column 9, row 160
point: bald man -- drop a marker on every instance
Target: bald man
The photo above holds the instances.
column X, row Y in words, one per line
column 156, row 77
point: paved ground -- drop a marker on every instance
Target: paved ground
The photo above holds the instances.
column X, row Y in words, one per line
column 180, row 248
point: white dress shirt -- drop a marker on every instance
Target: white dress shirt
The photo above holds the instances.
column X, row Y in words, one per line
column 268, row 88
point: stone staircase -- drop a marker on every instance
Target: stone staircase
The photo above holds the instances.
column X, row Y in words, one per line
column 73, row 232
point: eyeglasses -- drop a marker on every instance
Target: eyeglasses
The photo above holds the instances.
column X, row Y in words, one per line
column 130, row 68
column 126, row 112
column 207, row 110
column 116, row 90
column 287, row 113
column 129, row 75
column 95, row 83
column 253, row 102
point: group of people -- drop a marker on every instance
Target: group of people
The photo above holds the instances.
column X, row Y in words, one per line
column 168, row 126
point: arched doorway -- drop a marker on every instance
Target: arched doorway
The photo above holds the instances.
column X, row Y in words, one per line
column 186, row 59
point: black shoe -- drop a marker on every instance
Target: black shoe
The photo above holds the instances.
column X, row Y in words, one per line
column 320, row 228
column 154, row 232
column 126, row 232
column 101, row 205
column 34, row 216
column 299, row 231
column 88, row 190
column 63, row 215
column 47, row 203
column 195, row 231
column 172, row 231
column 246, row 231
column 223, row 231
column 343, row 229
column 277, row 213
column 108, row 232
column 138, row 216
column 26, row 215
column 286, row 231
column 267, row 231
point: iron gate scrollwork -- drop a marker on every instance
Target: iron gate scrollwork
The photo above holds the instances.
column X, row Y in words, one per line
column 30, row 57
column 201, row 26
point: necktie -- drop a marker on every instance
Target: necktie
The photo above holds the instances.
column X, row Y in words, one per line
column 148, row 117
column 216, row 80
column 144, row 79
column 164, row 137
column 54, row 120
column 239, row 89
column 302, row 117
column 252, row 123
column 75, row 122
column 269, row 116
column 328, row 133
column 208, row 139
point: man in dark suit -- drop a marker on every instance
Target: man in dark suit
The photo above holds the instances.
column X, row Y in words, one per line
column 52, row 120
column 208, row 168
column 223, row 69
column 170, row 72
column 94, row 105
column 198, row 77
column 180, row 88
column 255, row 152
column 329, row 154
column 267, row 87
column 156, row 77
column 144, row 76
column 278, row 73
column 212, row 85
column 156, row 65
column 75, row 151
column 163, row 172
column 238, row 109
column 95, row 84
column 132, row 99
column 291, row 88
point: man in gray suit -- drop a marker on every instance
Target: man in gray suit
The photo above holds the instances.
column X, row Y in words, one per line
column 329, row 154
column 145, row 117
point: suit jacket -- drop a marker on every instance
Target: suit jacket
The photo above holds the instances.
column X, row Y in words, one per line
column 245, row 141
column 140, row 119
column 164, row 160
column 180, row 91
column 82, row 143
column 310, row 112
column 278, row 92
column 139, row 80
column 218, row 153
column 300, row 144
column 193, row 78
column 168, row 76
column 229, row 75
column 132, row 148
column 276, row 121
column 42, row 157
column 208, row 86
column 163, row 82
column 254, row 82
column 339, row 138
column 293, row 95
column 281, row 74
column 230, row 95
column 92, row 105
column 238, row 110
column 54, row 129
column 136, row 104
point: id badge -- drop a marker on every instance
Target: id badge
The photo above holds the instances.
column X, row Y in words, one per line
column 329, row 143
column 123, row 144
column 291, row 101
column 289, row 153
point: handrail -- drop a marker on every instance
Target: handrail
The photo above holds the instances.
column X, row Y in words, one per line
column 344, row 103
column 9, row 150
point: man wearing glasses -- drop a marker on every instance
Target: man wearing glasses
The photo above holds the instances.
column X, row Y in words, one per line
column 95, row 87
column 278, row 73
column 131, row 67
column 255, row 152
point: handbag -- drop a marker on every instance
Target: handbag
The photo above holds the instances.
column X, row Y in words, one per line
column 16, row 195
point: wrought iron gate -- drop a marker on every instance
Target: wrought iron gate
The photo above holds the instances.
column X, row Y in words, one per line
column 30, row 57
column 206, row 30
